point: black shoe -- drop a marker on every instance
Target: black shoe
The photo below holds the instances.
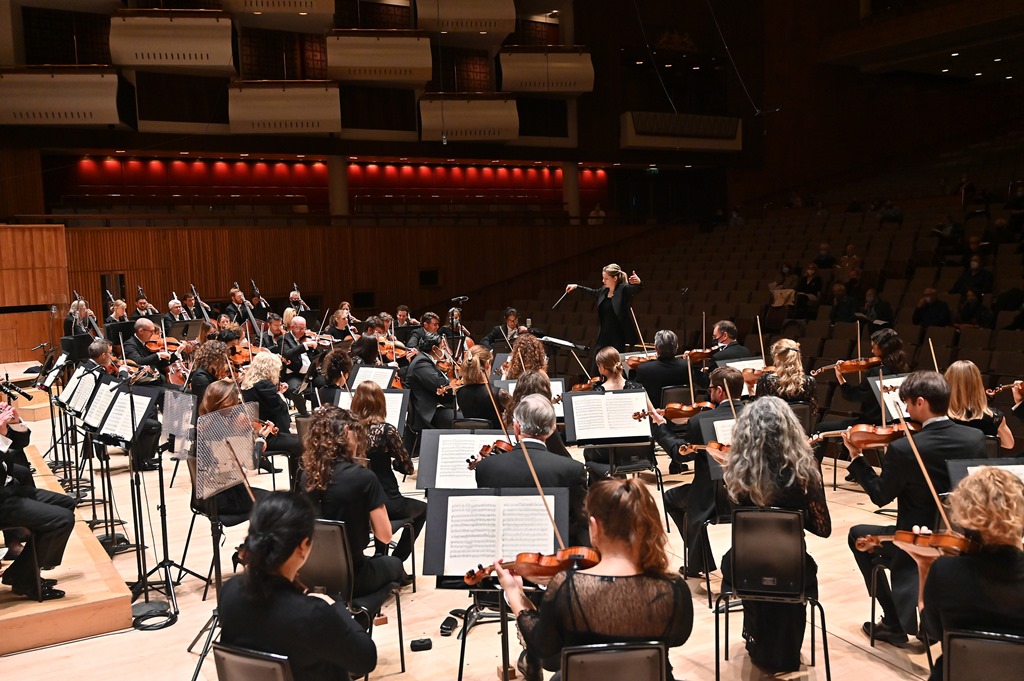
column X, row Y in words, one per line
column 676, row 467
column 690, row 572
column 49, row 593
column 48, row 583
column 850, row 477
column 889, row 633
column 147, row 465
column 268, row 467
column 529, row 668
column 406, row 580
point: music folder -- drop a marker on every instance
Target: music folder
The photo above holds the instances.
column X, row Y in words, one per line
column 961, row 468
column 443, row 455
column 382, row 376
column 890, row 401
column 396, row 401
column 605, row 417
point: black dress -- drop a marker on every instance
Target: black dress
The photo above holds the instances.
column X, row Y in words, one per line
column 988, row 423
column 769, row 384
column 475, row 404
column 387, row 454
column 775, row 631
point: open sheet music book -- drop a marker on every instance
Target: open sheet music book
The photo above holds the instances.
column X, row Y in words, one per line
column 101, row 403
column 557, row 388
column 83, row 393
column 396, row 402
column 890, row 401
column 382, row 376
column 605, row 417
column 481, row 529
column 71, row 386
column 127, row 412
column 443, row 455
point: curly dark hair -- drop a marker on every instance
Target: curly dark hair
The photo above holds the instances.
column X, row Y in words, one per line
column 327, row 443
column 527, row 355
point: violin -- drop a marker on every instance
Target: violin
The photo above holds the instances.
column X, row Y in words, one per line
column 636, row 360
column 698, row 354
column 258, row 425
column 168, row 344
column 453, row 384
column 586, row 387
column 866, row 436
column 391, row 349
column 717, row 450
column 674, row 410
column 239, row 355
column 1000, row 388
column 850, row 366
column 752, row 376
column 535, row 565
column 322, row 339
column 498, row 447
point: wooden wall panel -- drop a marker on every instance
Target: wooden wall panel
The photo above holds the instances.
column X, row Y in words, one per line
column 334, row 261
column 20, row 331
column 33, row 265
column 21, row 183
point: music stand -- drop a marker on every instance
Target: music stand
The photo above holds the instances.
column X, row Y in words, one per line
column 614, row 409
column 890, row 401
column 444, row 454
column 397, row 402
column 961, row 468
column 186, row 331
column 557, row 388
column 382, row 376
column 402, row 333
column 115, row 332
column 76, row 347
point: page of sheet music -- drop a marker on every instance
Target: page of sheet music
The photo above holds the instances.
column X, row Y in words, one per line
column 740, row 365
column 472, row 537
column 72, row 384
column 394, row 404
column 590, row 417
column 723, row 431
column 1017, row 470
column 893, row 403
column 55, row 371
column 620, row 408
column 452, row 451
column 525, row 526
column 343, row 399
column 101, row 403
column 379, row 375
column 80, row 400
column 119, row 422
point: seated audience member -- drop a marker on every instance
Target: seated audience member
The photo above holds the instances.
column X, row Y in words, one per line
column 931, row 311
column 629, row 596
column 973, row 313
column 975, row 278
column 981, row 591
column 874, row 311
column 266, row 608
column 844, row 307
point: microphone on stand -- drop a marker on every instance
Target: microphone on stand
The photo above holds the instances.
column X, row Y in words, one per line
column 460, row 299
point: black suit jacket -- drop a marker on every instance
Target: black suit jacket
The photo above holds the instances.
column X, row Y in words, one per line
column 621, row 304
column 901, row 477
column 423, row 378
column 292, row 350
column 498, row 335
column 170, row 318
column 511, row 470
column 136, row 314
column 730, row 352
column 980, row 591
column 236, row 313
column 272, row 407
column 138, row 353
column 656, row 374
column 414, row 338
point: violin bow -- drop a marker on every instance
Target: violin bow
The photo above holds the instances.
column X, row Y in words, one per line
column 934, row 361
column 585, row 372
column 860, row 375
column 760, row 338
column 540, row 490
column 924, row 472
column 639, row 335
column 880, row 386
column 725, row 384
column 501, row 422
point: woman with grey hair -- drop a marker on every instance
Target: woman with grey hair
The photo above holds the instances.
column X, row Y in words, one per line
column 770, row 464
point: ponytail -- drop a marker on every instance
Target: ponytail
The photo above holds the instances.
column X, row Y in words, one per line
column 627, row 513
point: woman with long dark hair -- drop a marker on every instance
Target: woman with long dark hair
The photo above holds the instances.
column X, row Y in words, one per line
column 266, row 608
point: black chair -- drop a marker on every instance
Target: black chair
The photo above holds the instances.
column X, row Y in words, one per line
column 722, row 516
column 992, row 446
column 627, row 459
column 805, row 415
column 768, row 564
column 242, row 664
column 634, row 661
column 471, row 424
column 980, row 655
column 330, row 568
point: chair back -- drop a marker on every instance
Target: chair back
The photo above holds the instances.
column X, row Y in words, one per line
column 200, row 506
column 302, row 426
column 242, row 664
column 768, row 554
column 980, row 655
column 675, row 393
column 805, row 415
column 992, row 446
column 634, row 661
column 471, row 424
column 329, row 565
column 631, row 458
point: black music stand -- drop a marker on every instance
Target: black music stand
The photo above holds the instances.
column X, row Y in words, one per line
column 396, row 401
column 76, row 347
column 436, row 454
column 186, row 331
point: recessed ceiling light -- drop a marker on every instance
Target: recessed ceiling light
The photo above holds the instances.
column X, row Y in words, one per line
column 1009, row 78
column 483, row 32
column 668, row 66
column 353, row 158
column 639, row 62
column 403, row 159
column 119, row 151
column 955, row 54
column 978, row 73
column 444, row 32
column 257, row 13
column 653, row 165
column 451, row 160
column 302, row 14
column 615, row 164
column 945, row 70
column 495, row 161
column 696, row 68
column 300, row 156
column 183, row 153
column 998, row 59
column 243, row 155
column 687, row 166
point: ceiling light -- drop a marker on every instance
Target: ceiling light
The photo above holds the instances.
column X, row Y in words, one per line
column 1009, row 78
column 687, row 166
column 696, row 68
column 119, row 151
column 616, row 164
column 302, row 14
column 668, row 66
column 639, row 62
column 183, row 153
column 243, row 155
column 978, row 73
column 483, row 32
column 257, row 13
column 353, row 158
column 955, row 54
column 997, row 59
column 945, row 70
column 300, row 156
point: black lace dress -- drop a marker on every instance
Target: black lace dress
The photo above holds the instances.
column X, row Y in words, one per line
column 580, row 608
column 775, row 631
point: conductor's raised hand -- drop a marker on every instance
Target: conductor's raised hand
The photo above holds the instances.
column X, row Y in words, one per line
column 633, row 279
column 570, row 288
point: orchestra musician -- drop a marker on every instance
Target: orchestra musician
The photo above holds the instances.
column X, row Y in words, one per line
column 402, row 317
column 726, row 348
column 341, row 325
column 386, row 454
column 388, row 321
column 472, row 397
column 343, row 489
column 192, row 307
column 423, row 377
column 224, row 321
column 691, row 505
column 273, row 333
column 968, row 403
column 207, row 330
column 788, row 379
column 261, row 384
column 532, row 423
column 664, row 371
column 629, row 596
column 535, row 383
column 926, row 395
column 430, row 323
column 296, row 302
column 209, row 364
column 266, row 609
column 455, row 333
column 118, row 312
column 143, row 308
column 504, row 333
column 338, row 366
column 982, row 591
column 609, row 366
column 294, row 348
column 134, row 348
column 235, row 310
column 527, row 355
column 76, row 323
column 176, row 313
column 614, row 298
column 770, row 465
column 101, row 358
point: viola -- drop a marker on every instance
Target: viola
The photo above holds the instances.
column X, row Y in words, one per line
column 674, row 410
column 177, row 373
column 535, row 565
column 391, row 349
column 752, row 376
column 636, row 360
column 866, row 436
column 498, row 447
column 851, row 366
column 239, row 355
column 1000, row 388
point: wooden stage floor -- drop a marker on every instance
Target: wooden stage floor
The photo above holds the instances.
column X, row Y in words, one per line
column 157, row 655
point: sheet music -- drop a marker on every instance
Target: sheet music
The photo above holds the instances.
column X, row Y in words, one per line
column 482, row 529
column 55, row 371
column 101, row 403
column 452, row 451
column 609, row 416
column 892, row 401
column 741, row 364
column 723, row 431
column 1017, row 470
column 393, row 400
column 379, row 375
column 305, row 363
column 343, row 399
column 119, row 422
column 86, row 386
column 72, row 384
column 557, row 388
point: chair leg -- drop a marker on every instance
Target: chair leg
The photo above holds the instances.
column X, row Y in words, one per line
column 718, row 651
column 927, row 645
column 824, row 638
column 661, row 487
column 812, row 632
column 401, row 640
column 705, row 552
column 188, row 539
column 874, row 590
column 412, row 552
column 465, row 632
column 174, row 473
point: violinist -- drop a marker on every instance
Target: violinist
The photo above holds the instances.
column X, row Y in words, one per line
column 981, row 591
column 209, row 364
column 175, row 313
column 272, row 335
column 262, row 385
column 535, row 383
column 455, row 333
column 926, row 395
column 506, row 333
column 609, row 367
column 235, row 310
column 143, row 308
column 135, row 349
column 366, row 351
column 101, row 358
column 77, row 321
column 428, row 409
column 389, row 323
column 968, row 403
column 691, row 505
column 614, row 298
column 402, row 317
column 118, row 312
column 207, row 331
column 472, row 396
column 337, row 367
column 628, row 596
column 664, row 371
column 533, row 423
column 224, row 321
column 726, row 347
column 340, row 327
column 297, row 350
column 527, row 355
column 788, row 379
column 430, row 323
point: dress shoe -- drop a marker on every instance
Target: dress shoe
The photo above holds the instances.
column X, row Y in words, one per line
column 49, row 593
column 48, row 583
column 529, row 667
column 677, row 467
column 889, row 633
column 406, row 580
column 147, row 465
column 268, row 467
column 850, row 477
column 690, row 572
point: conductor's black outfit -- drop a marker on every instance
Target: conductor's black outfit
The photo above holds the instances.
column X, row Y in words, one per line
column 615, row 321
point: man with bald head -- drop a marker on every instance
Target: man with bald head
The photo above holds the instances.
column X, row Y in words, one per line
column 294, row 347
column 135, row 347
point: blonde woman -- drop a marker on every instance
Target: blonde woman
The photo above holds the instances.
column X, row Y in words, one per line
column 613, row 305
column 262, row 385
column 472, row 396
column 968, row 403
column 788, row 379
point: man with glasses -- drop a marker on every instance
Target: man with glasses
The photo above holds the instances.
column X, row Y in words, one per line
column 726, row 348
column 926, row 395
